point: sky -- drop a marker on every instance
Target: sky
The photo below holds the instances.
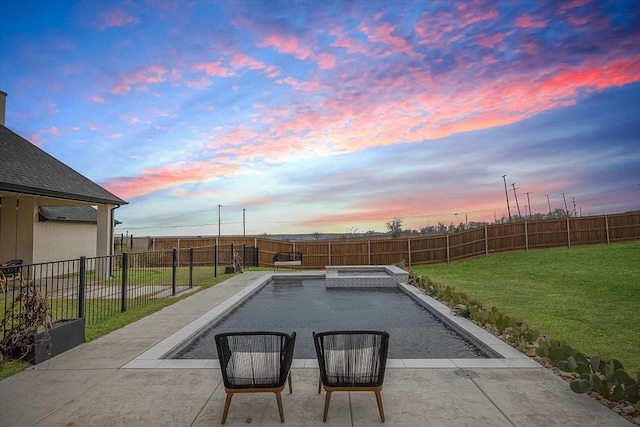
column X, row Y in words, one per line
column 267, row 117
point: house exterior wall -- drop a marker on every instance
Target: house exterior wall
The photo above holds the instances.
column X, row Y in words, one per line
column 59, row 240
column 16, row 229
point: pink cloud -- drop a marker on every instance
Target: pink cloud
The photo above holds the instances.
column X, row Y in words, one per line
column 353, row 122
column 139, row 76
column 130, row 118
column 433, row 28
column 383, row 34
column 344, row 42
column 289, row 45
column 157, row 179
column 326, row 60
column 303, row 86
column 527, row 21
column 490, row 41
column 470, row 12
column 214, row 69
column 36, row 139
column 115, row 18
column 98, row 98
column 240, row 60
column 573, row 4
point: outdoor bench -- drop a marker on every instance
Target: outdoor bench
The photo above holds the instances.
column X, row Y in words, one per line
column 287, row 259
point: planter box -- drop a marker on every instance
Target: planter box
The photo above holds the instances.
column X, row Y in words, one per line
column 64, row 335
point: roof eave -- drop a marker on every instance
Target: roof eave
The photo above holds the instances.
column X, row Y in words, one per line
column 61, row 195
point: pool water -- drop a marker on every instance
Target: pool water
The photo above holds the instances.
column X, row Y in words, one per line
column 307, row 305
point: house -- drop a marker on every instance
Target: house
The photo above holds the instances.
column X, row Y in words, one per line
column 44, row 205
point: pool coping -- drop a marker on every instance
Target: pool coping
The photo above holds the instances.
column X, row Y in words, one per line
column 153, row 358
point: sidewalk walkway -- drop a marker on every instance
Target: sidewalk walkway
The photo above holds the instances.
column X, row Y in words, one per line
column 87, row 386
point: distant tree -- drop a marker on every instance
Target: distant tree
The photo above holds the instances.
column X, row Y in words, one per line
column 316, row 236
column 351, row 233
column 394, row 227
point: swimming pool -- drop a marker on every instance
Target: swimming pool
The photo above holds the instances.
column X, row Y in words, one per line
column 305, row 305
column 215, row 302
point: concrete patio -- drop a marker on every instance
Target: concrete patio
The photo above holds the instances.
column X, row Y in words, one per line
column 96, row 384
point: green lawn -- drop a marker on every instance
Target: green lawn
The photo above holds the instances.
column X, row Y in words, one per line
column 586, row 295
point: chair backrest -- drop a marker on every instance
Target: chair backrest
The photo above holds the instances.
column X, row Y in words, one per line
column 255, row 359
column 12, row 267
column 352, row 358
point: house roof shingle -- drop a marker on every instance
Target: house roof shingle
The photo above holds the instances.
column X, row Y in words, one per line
column 25, row 168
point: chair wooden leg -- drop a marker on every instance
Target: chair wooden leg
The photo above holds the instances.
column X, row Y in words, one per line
column 279, row 400
column 327, row 400
column 289, row 380
column 379, row 400
column 227, row 403
column 319, row 384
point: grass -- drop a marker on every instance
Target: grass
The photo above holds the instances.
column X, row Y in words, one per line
column 586, row 295
column 138, row 312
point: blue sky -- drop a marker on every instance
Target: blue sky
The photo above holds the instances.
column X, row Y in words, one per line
column 330, row 116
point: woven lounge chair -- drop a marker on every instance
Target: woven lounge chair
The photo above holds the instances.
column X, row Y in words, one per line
column 253, row 362
column 351, row 361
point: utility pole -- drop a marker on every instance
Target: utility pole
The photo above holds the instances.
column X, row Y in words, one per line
column 466, row 221
column 516, row 196
column 506, row 193
column 529, row 203
column 566, row 209
column 574, row 207
column 549, row 203
column 219, row 206
column 243, row 222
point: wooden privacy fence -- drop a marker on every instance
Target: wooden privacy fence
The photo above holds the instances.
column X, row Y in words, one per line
column 425, row 249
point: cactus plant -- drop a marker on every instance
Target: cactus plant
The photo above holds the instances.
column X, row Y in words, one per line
column 522, row 335
column 553, row 349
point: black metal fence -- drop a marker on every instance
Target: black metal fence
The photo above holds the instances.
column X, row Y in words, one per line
column 98, row 288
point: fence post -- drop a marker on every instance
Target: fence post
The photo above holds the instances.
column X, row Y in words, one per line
column 526, row 237
column 568, row 233
column 606, row 227
column 409, row 250
column 369, row 252
column 123, row 289
column 82, row 285
column 329, row 249
column 191, row 267
column 448, row 254
column 174, row 270
column 486, row 240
